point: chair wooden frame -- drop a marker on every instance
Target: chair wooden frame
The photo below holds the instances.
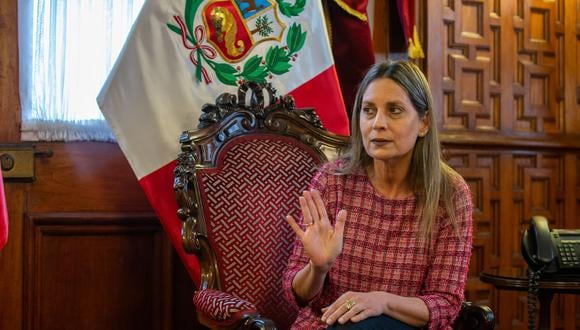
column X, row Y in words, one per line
column 228, row 118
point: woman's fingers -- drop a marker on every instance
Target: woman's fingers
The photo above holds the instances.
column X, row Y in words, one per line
column 311, row 206
column 365, row 314
column 319, row 205
column 307, row 217
column 354, row 310
column 294, row 226
column 326, row 312
column 353, row 307
column 334, row 313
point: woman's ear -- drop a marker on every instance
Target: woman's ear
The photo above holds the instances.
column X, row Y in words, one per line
column 424, row 125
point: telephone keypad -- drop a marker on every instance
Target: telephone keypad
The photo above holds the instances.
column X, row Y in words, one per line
column 569, row 250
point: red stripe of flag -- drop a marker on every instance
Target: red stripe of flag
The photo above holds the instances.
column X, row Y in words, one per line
column 326, row 99
column 3, row 215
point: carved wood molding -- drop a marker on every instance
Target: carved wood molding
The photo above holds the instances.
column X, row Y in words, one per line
column 94, row 218
column 514, row 141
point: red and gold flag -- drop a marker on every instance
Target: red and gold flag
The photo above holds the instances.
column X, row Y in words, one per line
column 407, row 15
column 352, row 44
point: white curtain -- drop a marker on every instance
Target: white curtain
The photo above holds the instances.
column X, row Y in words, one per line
column 66, row 50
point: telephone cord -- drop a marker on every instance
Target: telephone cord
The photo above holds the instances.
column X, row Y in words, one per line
column 533, row 277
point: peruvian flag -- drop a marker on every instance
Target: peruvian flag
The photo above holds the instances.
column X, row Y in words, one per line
column 182, row 54
column 3, row 215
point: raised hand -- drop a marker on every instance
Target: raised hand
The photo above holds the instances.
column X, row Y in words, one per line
column 322, row 242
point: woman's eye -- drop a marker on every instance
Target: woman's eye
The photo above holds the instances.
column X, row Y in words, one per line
column 368, row 110
column 397, row 110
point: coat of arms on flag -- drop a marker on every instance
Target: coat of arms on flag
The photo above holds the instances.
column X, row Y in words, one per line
column 221, row 34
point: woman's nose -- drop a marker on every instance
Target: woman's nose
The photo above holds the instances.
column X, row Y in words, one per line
column 380, row 121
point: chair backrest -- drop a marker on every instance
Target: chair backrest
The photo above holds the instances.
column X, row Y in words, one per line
column 237, row 178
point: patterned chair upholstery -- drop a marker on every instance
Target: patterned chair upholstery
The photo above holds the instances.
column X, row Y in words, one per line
column 237, row 178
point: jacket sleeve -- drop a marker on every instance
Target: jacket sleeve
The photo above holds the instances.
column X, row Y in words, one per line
column 443, row 288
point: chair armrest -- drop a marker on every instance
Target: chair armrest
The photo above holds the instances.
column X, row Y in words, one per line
column 257, row 322
column 474, row 317
column 221, row 310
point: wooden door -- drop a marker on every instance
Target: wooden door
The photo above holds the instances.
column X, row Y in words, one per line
column 85, row 250
column 506, row 76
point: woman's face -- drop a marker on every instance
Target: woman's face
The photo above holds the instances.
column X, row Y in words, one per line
column 389, row 123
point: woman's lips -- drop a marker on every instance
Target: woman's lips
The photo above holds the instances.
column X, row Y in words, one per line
column 380, row 141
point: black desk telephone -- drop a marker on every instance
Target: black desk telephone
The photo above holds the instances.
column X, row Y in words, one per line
column 550, row 253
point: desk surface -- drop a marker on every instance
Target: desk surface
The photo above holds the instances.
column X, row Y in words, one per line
column 517, row 279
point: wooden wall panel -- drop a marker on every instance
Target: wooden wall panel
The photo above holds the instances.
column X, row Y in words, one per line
column 470, row 73
column 505, row 82
column 539, row 71
column 94, row 271
column 95, row 174
column 481, row 172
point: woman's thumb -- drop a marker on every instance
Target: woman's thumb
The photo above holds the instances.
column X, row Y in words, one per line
column 340, row 220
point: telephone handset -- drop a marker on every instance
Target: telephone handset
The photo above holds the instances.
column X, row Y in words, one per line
column 554, row 251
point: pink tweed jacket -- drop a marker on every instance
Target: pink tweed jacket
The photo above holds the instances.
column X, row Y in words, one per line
column 381, row 251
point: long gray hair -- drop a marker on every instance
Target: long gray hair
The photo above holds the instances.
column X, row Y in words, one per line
column 430, row 177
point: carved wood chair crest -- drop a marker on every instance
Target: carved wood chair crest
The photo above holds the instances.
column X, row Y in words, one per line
column 227, row 103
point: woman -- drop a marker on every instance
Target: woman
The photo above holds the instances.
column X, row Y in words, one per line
column 386, row 230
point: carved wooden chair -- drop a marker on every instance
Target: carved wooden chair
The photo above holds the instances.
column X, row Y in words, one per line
column 237, row 178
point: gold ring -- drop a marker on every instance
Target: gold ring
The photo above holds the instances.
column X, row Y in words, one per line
column 349, row 304
column 309, row 224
